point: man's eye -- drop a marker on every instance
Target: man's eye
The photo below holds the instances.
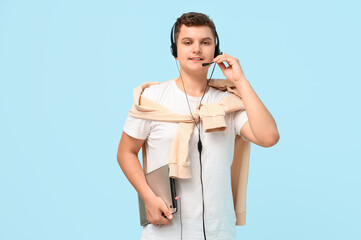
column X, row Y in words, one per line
column 187, row 43
column 206, row 43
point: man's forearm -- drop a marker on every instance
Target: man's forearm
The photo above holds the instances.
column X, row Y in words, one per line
column 260, row 120
column 132, row 169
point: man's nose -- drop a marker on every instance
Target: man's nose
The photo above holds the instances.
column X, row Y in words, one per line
column 196, row 47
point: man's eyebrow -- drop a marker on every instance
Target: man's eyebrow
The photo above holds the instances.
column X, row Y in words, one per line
column 206, row 38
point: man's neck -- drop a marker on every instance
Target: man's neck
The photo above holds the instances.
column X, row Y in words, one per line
column 193, row 83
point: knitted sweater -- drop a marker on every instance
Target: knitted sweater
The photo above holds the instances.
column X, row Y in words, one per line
column 212, row 116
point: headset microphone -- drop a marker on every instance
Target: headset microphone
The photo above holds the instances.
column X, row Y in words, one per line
column 206, row 64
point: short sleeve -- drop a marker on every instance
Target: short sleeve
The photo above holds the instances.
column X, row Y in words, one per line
column 240, row 118
column 137, row 127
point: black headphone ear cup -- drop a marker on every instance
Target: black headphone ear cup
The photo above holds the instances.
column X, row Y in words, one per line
column 217, row 51
column 174, row 50
column 173, row 45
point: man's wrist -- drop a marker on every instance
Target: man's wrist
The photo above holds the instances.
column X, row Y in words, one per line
column 148, row 196
column 241, row 82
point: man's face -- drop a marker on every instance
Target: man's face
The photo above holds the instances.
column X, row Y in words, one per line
column 195, row 45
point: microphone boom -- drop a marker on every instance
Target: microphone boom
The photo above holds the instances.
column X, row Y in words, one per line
column 206, row 64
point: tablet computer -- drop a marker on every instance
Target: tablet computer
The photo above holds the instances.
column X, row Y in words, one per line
column 164, row 187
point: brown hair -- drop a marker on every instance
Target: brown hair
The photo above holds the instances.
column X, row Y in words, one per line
column 194, row 19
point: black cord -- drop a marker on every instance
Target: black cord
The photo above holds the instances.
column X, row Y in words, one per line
column 200, row 164
column 180, row 215
column 200, row 146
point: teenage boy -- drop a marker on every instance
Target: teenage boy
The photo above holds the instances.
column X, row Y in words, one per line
column 206, row 208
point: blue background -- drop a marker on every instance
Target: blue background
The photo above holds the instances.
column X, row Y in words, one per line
column 67, row 71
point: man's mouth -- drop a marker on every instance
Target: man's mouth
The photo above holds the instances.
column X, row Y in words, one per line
column 196, row 59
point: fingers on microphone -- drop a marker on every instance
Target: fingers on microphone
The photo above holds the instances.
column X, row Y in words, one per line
column 221, row 65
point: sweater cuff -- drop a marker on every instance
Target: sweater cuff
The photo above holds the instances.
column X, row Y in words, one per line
column 179, row 171
column 213, row 117
column 240, row 219
column 212, row 124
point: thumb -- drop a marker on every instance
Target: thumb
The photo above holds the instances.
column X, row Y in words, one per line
column 166, row 212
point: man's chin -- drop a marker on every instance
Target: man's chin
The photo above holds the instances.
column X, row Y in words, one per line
column 195, row 66
column 195, row 70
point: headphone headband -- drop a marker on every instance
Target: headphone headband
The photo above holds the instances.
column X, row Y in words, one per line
column 173, row 46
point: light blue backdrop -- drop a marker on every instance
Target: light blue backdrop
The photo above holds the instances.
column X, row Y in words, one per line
column 67, row 71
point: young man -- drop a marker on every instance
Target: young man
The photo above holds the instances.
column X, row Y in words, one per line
column 206, row 209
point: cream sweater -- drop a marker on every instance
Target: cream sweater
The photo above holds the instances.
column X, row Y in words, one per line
column 212, row 116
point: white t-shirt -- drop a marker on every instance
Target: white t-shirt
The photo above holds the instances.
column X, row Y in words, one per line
column 217, row 157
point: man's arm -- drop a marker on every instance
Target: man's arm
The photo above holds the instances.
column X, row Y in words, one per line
column 247, row 133
column 127, row 157
column 261, row 128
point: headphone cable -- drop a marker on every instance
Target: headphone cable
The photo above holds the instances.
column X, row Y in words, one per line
column 200, row 146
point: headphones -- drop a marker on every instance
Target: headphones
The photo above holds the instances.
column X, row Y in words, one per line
column 173, row 46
